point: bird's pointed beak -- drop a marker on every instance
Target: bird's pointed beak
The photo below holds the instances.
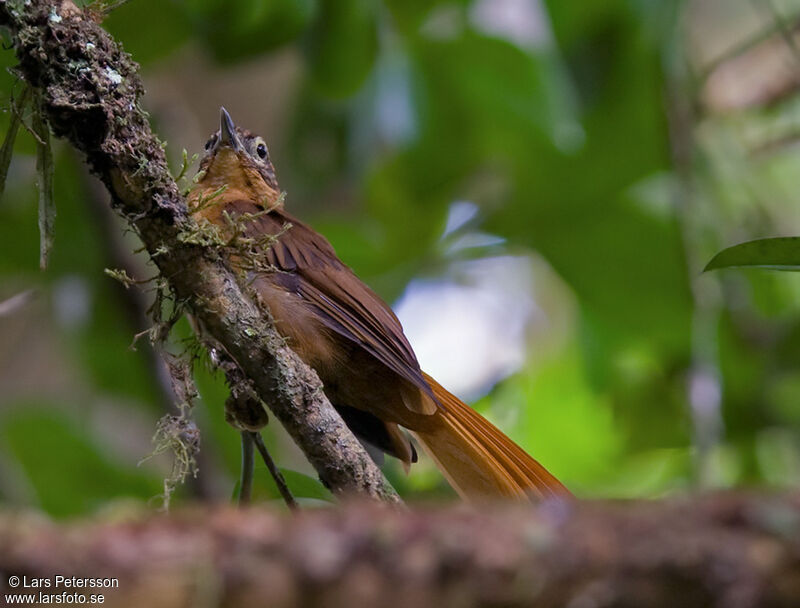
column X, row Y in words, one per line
column 227, row 131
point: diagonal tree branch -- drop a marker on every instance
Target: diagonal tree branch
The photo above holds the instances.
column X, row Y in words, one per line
column 91, row 93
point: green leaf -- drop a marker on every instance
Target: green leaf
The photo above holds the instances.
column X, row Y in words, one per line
column 305, row 486
column 780, row 253
column 342, row 45
column 553, row 413
column 150, row 29
column 68, row 470
column 408, row 15
column 237, row 31
column 649, row 474
column 300, row 485
column 488, row 86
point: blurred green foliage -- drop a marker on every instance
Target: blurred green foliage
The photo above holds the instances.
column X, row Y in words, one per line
column 569, row 142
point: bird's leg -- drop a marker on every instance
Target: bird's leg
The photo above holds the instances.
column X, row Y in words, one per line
column 246, row 412
column 274, row 471
column 248, row 462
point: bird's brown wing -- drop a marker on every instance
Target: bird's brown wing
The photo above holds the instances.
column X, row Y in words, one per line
column 311, row 269
column 478, row 459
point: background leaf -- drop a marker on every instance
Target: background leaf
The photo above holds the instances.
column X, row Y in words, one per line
column 780, row 253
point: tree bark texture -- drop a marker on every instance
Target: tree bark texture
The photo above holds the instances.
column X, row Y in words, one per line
column 90, row 94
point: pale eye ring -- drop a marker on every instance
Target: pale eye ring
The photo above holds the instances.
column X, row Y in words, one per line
column 261, row 150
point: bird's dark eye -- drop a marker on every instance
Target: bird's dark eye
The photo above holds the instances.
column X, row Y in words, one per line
column 261, row 150
column 211, row 141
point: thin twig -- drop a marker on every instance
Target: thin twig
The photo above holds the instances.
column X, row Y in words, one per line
column 7, row 150
column 248, row 462
column 747, row 44
column 44, row 169
column 274, row 471
column 784, row 27
column 15, row 302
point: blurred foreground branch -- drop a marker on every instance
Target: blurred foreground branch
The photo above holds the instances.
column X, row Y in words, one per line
column 90, row 94
column 724, row 550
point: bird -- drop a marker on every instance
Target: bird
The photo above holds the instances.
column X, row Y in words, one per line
column 343, row 330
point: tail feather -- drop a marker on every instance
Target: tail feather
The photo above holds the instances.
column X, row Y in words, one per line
column 478, row 460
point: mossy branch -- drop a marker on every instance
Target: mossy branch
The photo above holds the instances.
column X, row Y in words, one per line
column 90, row 94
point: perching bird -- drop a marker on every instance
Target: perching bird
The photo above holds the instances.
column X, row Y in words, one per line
column 344, row 331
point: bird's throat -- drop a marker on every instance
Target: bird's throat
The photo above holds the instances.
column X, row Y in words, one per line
column 227, row 177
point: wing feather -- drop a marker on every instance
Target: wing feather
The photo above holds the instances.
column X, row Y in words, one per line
column 344, row 304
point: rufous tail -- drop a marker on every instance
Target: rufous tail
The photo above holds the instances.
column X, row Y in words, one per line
column 478, row 460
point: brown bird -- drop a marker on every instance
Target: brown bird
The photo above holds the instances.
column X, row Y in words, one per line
column 344, row 331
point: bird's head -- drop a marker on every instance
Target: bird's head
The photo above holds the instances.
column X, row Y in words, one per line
column 236, row 165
